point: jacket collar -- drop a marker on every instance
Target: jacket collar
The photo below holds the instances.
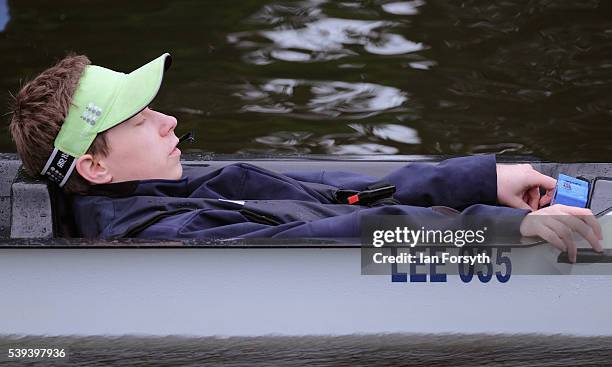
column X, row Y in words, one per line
column 114, row 190
column 153, row 187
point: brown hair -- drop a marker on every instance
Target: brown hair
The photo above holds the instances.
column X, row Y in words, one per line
column 39, row 110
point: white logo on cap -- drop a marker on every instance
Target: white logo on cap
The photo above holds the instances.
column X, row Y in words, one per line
column 91, row 113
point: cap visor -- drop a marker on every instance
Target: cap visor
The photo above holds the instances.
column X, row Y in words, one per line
column 137, row 90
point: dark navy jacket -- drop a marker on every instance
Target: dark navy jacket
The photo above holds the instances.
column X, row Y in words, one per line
column 246, row 201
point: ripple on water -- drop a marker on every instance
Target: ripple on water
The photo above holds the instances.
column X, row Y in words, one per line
column 322, row 39
column 364, row 148
column 320, row 98
column 403, row 7
column 475, row 76
column 283, row 139
column 351, row 142
column 398, row 133
column 500, row 148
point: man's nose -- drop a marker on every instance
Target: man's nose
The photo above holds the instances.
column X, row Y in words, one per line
column 168, row 125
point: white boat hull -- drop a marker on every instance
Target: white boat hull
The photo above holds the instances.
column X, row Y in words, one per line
column 261, row 291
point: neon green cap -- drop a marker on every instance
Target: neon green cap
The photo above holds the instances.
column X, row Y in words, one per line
column 103, row 99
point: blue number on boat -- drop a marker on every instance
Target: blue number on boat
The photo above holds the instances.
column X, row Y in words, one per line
column 466, row 270
column 486, row 278
column 414, row 276
column 435, row 276
column 466, row 278
column 503, row 260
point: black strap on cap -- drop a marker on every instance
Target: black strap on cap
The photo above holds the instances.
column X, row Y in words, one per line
column 59, row 166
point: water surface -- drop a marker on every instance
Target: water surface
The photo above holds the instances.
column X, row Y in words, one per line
column 352, row 350
column 348, row 77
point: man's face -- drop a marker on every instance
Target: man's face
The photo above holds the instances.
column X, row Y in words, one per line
column 144, row 147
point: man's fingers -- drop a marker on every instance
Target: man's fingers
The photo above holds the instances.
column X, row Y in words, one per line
column 572, row 252
column 566, row 234
column 563, row 221
column 551, row 237
column 584, row 229
column 541, row 180
column 593, row 223
column 533, row 197
column 546, row 199
column 587, row 216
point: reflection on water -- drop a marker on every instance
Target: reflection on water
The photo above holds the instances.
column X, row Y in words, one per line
column 499, row 148
column 323, row 98
column 403, row 8
column 319, row 38
column 379, row 137
column 410, row 77
column 399, row 133
column 322, row 40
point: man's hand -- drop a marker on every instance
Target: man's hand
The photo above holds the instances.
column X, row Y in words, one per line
column 518, row 186
column 556, row 224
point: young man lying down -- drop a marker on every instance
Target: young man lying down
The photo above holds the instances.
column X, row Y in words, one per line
column 88, row 129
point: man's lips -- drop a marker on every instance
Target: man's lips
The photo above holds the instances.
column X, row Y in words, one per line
column 175, row 150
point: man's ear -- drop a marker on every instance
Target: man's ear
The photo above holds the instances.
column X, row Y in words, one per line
column 93, row 169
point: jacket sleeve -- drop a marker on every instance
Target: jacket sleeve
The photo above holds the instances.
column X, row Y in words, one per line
column 204, row 224
column 456, row 182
